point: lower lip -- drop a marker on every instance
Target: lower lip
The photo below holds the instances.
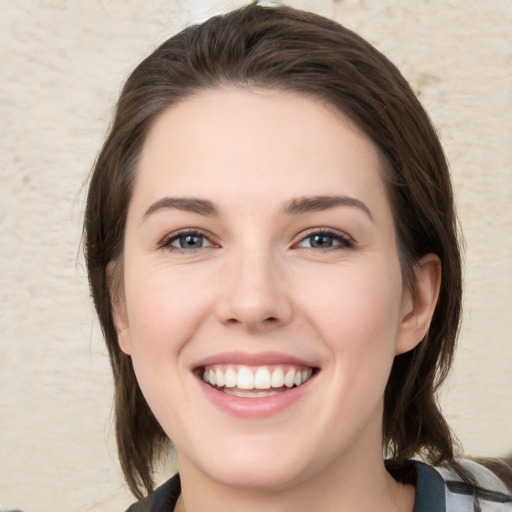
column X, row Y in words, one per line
column 255, row 408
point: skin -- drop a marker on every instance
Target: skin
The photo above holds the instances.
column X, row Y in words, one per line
column 257, row 283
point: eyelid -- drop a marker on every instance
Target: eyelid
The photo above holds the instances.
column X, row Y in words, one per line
column 165, row 242
column 346, row 241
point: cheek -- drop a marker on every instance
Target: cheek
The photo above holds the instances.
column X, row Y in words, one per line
column 166, row 306
column 362, row 305
column 357, row 314
column 162, row 310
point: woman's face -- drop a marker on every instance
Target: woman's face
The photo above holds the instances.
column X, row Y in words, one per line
column 263, row 300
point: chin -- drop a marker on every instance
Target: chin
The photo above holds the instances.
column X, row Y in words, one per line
column 265, row 478
column 264, row 469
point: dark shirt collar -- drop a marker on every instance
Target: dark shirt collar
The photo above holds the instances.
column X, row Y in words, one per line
column 430, row 489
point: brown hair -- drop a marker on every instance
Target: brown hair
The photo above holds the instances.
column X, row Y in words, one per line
column 283, row 48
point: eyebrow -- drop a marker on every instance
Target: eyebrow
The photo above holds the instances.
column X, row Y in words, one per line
column 295, row 206
column 318, row 203
column 188, row 204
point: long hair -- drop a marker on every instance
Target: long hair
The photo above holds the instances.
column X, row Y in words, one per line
column 285, row 49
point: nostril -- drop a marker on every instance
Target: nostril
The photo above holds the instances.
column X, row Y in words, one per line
column 271, row 320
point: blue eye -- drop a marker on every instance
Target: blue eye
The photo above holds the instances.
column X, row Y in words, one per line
column 186, row 242
column 320, row 241
column 325, row 240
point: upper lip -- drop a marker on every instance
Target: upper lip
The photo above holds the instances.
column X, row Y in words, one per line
column 253, row 359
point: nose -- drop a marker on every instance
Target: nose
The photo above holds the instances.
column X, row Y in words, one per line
column 254, row 292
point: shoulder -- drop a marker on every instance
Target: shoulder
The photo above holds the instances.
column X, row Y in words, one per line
column 162, row 499
column 443, row 490
column 492, row 493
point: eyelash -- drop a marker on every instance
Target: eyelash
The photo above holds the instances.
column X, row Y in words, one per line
column 343, row 240
column 167, row 242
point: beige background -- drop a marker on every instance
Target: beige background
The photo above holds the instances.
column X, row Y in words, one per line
column 62, row 64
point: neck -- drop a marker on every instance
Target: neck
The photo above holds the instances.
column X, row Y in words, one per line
column 364, row 484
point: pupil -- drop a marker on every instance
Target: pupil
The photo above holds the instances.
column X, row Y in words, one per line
column 190, row 242
column 320, row 241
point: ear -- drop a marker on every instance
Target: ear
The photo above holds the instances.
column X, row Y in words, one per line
column 122, row 325
column 118, row 304
column 418, row 305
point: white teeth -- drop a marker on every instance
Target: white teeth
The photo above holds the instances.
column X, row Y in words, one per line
column 245, row 378
column 250, row 378
column 262, row 379
column 289, row 378
column 277, row 380
column 306, row 374
column 230, row 378
column 219, row 378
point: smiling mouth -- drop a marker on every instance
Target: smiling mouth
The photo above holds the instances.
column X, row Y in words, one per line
column 255, row 382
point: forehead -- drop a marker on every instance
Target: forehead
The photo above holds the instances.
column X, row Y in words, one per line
column 249, row 141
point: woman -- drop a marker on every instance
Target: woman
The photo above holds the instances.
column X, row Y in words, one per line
column 272, row 250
